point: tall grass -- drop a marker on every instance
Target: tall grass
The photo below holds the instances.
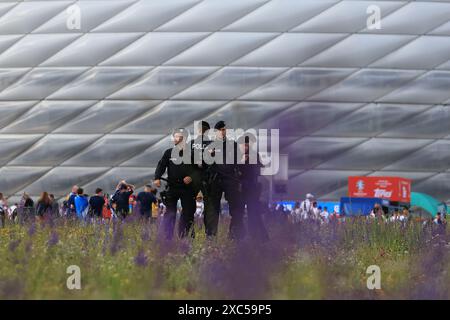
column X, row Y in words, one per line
column 125, row 260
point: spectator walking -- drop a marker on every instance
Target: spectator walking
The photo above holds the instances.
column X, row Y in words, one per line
column 13, row 212
column 315, row 211
column 145, row 200
column 69, row 203
column 121, row 198
column 28, row 202
column 307, row 207
column 155, row 206
column 296, row 213
column 96, row 203
column 377, row 212
column 107, row 209
column 28, row 207
column 81, row 204
column 200, row 207
column 405, row 215
column 439, row 220
column 43, row 205
column 132, row 204
column 3, row 209
column 324, row 215
column 335, row 217
column 54, row 206
column 395, row 216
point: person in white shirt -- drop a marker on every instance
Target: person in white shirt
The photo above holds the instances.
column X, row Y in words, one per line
column 316, row 211
column 376, row 212
column 12, row 214
column 306, row 208
column 405, row 214
column 198, row 215
column 296, row 213
column 395, row 217
column 402, row 217
column 324, row 215
column 439, row 220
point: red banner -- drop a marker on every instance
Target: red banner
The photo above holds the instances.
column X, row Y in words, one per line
column 392, row 188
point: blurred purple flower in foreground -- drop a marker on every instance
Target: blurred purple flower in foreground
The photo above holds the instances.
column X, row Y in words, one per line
column 53, row 239
column 141, row 259
column 32, row 229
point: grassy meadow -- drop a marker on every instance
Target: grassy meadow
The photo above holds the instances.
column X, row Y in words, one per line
column 126, row 260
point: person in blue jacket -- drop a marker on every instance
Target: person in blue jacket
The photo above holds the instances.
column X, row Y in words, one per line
column 81, row 203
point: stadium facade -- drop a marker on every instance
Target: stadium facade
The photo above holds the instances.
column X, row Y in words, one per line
column 89, row 93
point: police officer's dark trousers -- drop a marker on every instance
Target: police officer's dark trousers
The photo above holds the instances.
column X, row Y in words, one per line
column 229, row 187
column 186, row 195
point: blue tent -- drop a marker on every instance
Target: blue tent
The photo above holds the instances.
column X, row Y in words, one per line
column 358, row 206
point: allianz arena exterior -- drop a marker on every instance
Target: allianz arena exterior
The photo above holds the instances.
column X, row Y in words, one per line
column 95, row 104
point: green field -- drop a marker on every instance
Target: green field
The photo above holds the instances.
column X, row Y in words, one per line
column 303, row 261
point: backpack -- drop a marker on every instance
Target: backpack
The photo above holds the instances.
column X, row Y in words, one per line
column 115, row 197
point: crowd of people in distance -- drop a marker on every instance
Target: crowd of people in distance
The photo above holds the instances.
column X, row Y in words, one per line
column 78, row 205
column 149, row 206
column 309, row 210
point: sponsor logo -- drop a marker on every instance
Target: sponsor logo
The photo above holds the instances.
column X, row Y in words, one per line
column 382, row 193
column 360, row 185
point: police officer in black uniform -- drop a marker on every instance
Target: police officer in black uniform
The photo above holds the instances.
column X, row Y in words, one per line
column 198, row 147
column 179, row 169
column 200, row 172
column 224, row 178
column 250, row 168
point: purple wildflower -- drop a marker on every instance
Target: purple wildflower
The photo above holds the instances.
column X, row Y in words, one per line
column 141, row 259
column 117, row 238
column 32, row 229
column 185, row 246
column 54, row 239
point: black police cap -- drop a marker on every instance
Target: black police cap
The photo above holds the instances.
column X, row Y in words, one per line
column 219, row 125
column 205, row 125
